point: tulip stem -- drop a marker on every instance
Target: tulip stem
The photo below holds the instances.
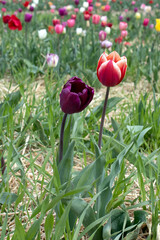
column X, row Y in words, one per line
column 103, row 116
column 61, row 137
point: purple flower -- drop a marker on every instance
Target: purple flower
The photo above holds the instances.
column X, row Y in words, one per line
column 135, row 9
column 76, row 2
column 106, row 44
column 62, row 11
column 27, row 17
column 19, row 10
column 75, row 96
column 31, row 8
column 3, row 2
column 120, row 18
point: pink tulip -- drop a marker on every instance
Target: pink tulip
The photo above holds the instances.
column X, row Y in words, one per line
column 107, row 8
column 76, row 10
column 71, row 23
column 145, row 22
column 124, row 33
column 90, row 8
column 59, row 28
column 96, row 19
column 3, row 9
column 123, row 25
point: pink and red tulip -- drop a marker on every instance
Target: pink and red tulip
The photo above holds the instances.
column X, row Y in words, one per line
column 111, row 69
column 123, row 26
column 59, row 28
column 96, row 19
column 71, row 23
column 146, row 22
column 73, row 16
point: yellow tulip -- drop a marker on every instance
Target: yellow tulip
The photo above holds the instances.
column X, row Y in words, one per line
column 157, row 27
column 137, row 15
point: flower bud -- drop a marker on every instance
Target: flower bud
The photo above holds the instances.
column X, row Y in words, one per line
column 42, row 34
column 52, row 59
column 75, row 96
column 111, row 69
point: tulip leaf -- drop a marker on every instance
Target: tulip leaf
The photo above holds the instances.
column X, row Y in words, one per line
column 65, row 166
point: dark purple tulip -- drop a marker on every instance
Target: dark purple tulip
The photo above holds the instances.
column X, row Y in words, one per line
column 27, row 17
column 120, row 18
column 62, row 11
column 128, row 19
column 75, row 96
column 31, row 8
column 76, row 2
column 3, row 2
column 135, row 9
column 19, row 10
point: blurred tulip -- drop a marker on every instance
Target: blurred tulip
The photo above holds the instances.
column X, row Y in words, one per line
column 73, row 16
column 102, row 35
column 14, row 23
column 79, row 31
column 75, row 96
column 85, row 4
column 104, row 18
column 142, row 6
column 19, row 10
column 119, row 39
column 96, row 19
column 51, row 29
column 3, row 10
column 147, row 9
column 123, row 26
column 90, row 8
column 151, row 26
column 137, row 15
column 135, row 9
column 111, row 69
column 6, row 19
column 106, row 44
column 76, row 10
column 76, row 2
column 157, row 26
column 59, row 28
column 62, row 11
column 107, row 8
column 52, row 60
column 55, row 22
column 133, row 2
column 124, row 33
column 42, row 34
column 107, row 30
column 70, row 23
column 87, row 15
column 82, row 9
column 27, row 17
column 146, row 22
column 121, row 18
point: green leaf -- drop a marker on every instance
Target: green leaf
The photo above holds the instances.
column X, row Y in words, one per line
column 48, row 226
column 66, row 164
column 19, row 230
column 31, row 68
column 8, row 198
column 107, row 230
column 61, row 225
column 139, row 216
column 33, row 230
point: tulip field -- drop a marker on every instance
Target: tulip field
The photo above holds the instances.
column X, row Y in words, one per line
column 80, row 120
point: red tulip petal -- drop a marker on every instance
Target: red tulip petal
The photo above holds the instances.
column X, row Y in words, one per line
column 109, row 74
column 102, row 59
column 122, row 64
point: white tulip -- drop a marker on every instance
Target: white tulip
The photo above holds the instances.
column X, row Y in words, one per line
column 36, row 1
column 107, row 30
column 79, row 31
column 82, row 9
column 84, row 33
column 104, row 19
column 42, row 34
column 85, row 4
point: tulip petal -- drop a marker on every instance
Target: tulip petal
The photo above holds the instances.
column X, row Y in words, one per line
column 102, row 59
column 122, row 64
column 109, row 74
column 114, row 56
column 69, row 101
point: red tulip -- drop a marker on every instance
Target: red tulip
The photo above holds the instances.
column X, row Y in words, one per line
column 6, row 19
column 14, row 23
column 111, row 69
column 55, row 21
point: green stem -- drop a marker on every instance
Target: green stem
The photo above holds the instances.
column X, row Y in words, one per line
column 103, row 117
column 61, row 137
